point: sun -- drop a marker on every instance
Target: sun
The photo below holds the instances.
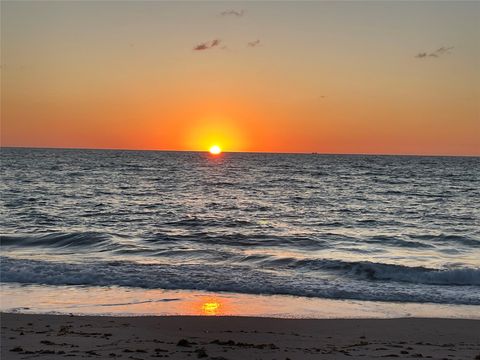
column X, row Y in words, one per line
column 215, row 150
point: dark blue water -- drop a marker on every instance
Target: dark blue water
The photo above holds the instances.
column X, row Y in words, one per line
column 386, row 228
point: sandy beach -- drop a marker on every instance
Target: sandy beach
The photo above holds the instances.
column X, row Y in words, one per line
column 27, row 336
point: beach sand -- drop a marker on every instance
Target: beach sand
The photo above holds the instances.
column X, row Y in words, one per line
column 27, row 336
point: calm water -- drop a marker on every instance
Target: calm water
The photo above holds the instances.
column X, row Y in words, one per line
column 388, row 228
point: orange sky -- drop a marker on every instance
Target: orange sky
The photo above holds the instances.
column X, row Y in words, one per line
column 328, row 77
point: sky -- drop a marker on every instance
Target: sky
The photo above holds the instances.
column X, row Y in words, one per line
column 329, row 77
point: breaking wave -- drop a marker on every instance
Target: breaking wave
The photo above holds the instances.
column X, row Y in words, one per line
column 413, row 283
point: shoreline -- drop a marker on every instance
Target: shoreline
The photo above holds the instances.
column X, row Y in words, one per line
column 235, row 337
column 116, row 301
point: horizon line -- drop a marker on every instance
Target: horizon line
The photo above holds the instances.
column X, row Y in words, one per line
column 240, row 152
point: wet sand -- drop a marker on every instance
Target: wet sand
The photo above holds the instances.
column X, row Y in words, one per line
column 26, row 336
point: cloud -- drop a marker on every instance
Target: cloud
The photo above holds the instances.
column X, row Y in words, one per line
column 437, row 53
column 207, row 45
column 253, row 43
column 236, row 13
column 442, row 51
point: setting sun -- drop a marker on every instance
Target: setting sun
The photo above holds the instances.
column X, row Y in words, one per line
column 215, row 150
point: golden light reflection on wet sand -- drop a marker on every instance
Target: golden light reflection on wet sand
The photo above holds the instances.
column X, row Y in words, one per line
column 211, row 306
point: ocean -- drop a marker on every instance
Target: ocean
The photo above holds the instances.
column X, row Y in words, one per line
column 403, row 229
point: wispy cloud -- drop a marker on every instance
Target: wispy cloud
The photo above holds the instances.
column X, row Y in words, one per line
column 207, row 45
column 236, row 13
column 253, row 43
column 435, row 54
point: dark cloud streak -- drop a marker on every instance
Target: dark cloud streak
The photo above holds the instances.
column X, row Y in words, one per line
column 207, row 45
column 236, row 13
column 253, row 43
column 444, row 50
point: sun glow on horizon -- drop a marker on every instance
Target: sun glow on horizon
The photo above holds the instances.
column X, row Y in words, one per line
column 215, row 150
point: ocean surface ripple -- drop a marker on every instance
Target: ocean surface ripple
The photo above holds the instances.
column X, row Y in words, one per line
column 385, row 228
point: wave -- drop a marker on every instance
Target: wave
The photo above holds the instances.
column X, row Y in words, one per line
column 445, row 238
column 197, row 247
column 418, row 286
column 107, row 241
column 413, row 275
column 61, row 240
column 197, row 222
column 395, row 241
column 197, row 234
column 380, row 271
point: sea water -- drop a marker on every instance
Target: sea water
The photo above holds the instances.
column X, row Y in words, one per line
column 399, row 229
